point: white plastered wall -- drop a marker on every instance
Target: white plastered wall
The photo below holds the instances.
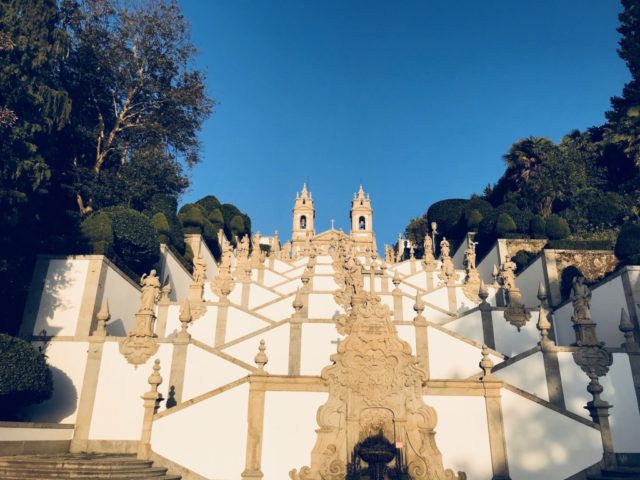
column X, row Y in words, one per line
column 469, row 326
column 508, row 339
column 463, row 440
column 259, row 296
column 240, row 323
column 205, row 371
column 542, row 443
column 61, row 297
column 179, row 278
column 277, row 343
column 324, row 283
column 67, row 362
column 606, row 302
column 124, row 300
column 201, row 436
column 527, row 374
column 117, row 411
column 319, row 342
column 278, row 310
column 450, row 357
column 322, row 305
column 528, row 282
column 618, row 390
column 288, row 287
column 485, row 267
column 289, row 431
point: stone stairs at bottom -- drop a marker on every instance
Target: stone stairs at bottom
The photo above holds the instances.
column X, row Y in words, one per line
column 617, row 473
column 82, row 466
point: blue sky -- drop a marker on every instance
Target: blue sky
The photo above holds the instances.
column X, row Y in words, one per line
column 416, row 100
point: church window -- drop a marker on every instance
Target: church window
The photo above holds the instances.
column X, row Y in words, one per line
column 362, row 225
column 303, row 222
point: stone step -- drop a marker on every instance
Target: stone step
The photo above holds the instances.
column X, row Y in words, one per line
column 99, row 472
column 81, row 467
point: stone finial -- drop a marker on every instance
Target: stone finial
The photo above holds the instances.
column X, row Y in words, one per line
column 626, row 327
column 164, row 293
column 486, row 364
column 185, row 319
column 418, row 306
column 396, row 279
column 483, row 291
column 103, row 317
column 297, row 301
column 544, row 326
column 155, row 379
column 495, row 273
column 305, row 278
column 542, row 294
column 261, row 358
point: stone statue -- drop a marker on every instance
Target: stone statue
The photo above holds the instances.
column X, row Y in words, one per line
column 580, row 298
column 507, row 276
column 199, row 269
column 427, row 245
column 445, row 249
column 150, row 291
column 470, row 255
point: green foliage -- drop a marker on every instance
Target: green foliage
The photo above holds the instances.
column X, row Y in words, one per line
column 569, row 244
column 209, row 204
column 504, row 225
column 98, row 231
column 417, row 229
column 161, row 224
column 557, row 228
column 447, row 214
column 236, row 225
column 522, row 259
column 473, row 220
column 627, row 247
column 25, row 378
column 538, row 227
column 216, row 217
column 136, row 242
column 192, row 218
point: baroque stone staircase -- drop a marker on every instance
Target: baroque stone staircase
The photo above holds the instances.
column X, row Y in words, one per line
column 81, row 467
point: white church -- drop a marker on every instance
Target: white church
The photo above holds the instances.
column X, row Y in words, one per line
column 291, row 364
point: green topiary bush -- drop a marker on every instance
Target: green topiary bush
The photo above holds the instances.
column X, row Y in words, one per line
column 161, row 224
column 236, row 225
column 557, row 228
column 192, row 217
column 474, row 217
column 98, row 231
column 627, row 247
column 25, row 378
column 447, row 214
column 136, row 242
column 209, row 203
column 505, row 225
column 538, row 227
column 216, row 217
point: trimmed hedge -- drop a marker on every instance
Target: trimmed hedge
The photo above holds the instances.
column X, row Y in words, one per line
column 25, row 378
column 538, row 227
column 557, row 228
column 136, row 242
column 473, row 220
column 505, row 225
column 97, row 229
column 627, row 246
column 161, row 224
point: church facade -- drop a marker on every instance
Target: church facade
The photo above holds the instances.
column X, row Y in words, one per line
column 323, row 360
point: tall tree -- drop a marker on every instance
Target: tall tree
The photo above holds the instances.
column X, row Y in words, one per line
column 135, row 94
column 34, row 107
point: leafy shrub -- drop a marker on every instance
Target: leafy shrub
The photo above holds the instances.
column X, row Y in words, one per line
column 522, row 259
column 216, row 217
column 557, row 228
column 627, row 247
column 538, row 227
column 168, row 205
column 520, row 217
column 505, row 224
column 25, row 378
column 209, row 203
column 98, row 231
column 160, row 223
column 192, row 218
column 136, row 242
column 447, row 214
column 474, row 217
column 236, row 225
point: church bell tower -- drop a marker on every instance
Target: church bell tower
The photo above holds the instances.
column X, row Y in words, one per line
column 303, row 217
column 362, row 222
